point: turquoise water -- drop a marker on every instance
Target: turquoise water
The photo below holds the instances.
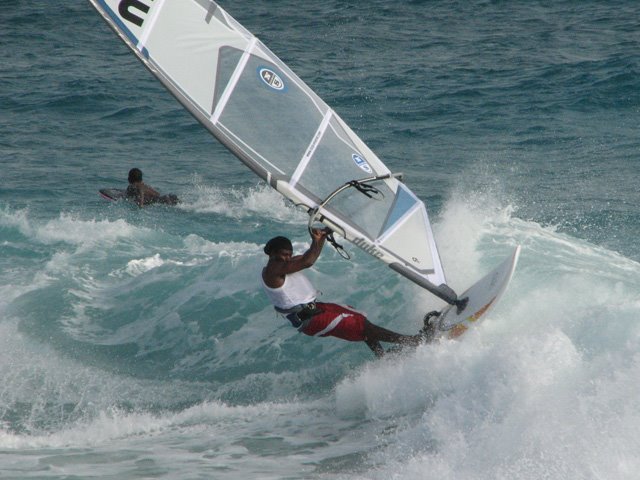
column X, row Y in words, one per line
column 138, row 344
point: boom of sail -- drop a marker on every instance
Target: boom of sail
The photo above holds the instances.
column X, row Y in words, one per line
column 274, row 123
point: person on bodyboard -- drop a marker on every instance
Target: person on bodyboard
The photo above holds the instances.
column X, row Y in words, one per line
column 142, row 194
column 294, row 297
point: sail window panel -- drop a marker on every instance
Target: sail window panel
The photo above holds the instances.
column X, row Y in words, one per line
column 372, row 160
column 271, row 114
column 186, row 47
column 403, row 202
column 365, row 213
column 333, row 162
column 228, row 59
column 410, row 243
column 331, row 166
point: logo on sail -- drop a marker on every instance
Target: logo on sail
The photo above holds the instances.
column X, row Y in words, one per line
column 126, row 9
column 362, row 163
column 271, row 78
column 368, row 247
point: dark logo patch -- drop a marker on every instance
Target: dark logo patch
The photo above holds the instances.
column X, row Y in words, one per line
column 271, row 78
column 362, row 163
column 127, row 8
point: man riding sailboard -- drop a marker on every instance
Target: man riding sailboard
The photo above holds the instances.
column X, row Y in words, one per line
column 294, row 297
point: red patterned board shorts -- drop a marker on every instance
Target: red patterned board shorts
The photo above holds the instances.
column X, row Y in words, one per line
column 336, row 321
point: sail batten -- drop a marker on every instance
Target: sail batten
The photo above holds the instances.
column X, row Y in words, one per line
column 278, row 126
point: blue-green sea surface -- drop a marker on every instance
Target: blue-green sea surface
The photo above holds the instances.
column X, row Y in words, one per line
column 137, row 343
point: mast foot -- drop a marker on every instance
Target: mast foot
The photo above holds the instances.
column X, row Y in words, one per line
column 461, row 304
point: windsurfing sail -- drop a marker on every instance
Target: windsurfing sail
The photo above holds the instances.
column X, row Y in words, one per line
column 272, row 121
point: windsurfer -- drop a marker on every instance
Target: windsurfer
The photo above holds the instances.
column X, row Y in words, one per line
column 293, row 295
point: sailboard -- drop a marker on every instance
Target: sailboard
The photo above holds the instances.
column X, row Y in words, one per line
column 281, row 129
column 482, row 297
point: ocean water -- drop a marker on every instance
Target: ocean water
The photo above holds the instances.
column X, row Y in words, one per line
column 137, row 344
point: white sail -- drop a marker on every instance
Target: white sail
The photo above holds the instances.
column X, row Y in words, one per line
column 272, row 121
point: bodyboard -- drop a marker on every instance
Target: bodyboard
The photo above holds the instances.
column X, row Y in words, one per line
column 112, row 194
column 115, row 194
column 483, row 295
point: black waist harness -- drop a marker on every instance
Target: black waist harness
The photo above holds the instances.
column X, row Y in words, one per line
column 299, row 314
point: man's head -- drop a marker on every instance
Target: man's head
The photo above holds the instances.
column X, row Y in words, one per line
column 135, row 175
column 277, row 244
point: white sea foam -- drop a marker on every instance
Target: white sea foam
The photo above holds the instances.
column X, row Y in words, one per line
column 70, row 229
column 545, row 387
column 237, row 203
column 138, row 266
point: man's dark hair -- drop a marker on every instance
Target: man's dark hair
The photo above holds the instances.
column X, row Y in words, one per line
column 277, row 243
column 135, row 175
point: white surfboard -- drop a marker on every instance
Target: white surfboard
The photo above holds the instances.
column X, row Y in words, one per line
column 483, row 296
